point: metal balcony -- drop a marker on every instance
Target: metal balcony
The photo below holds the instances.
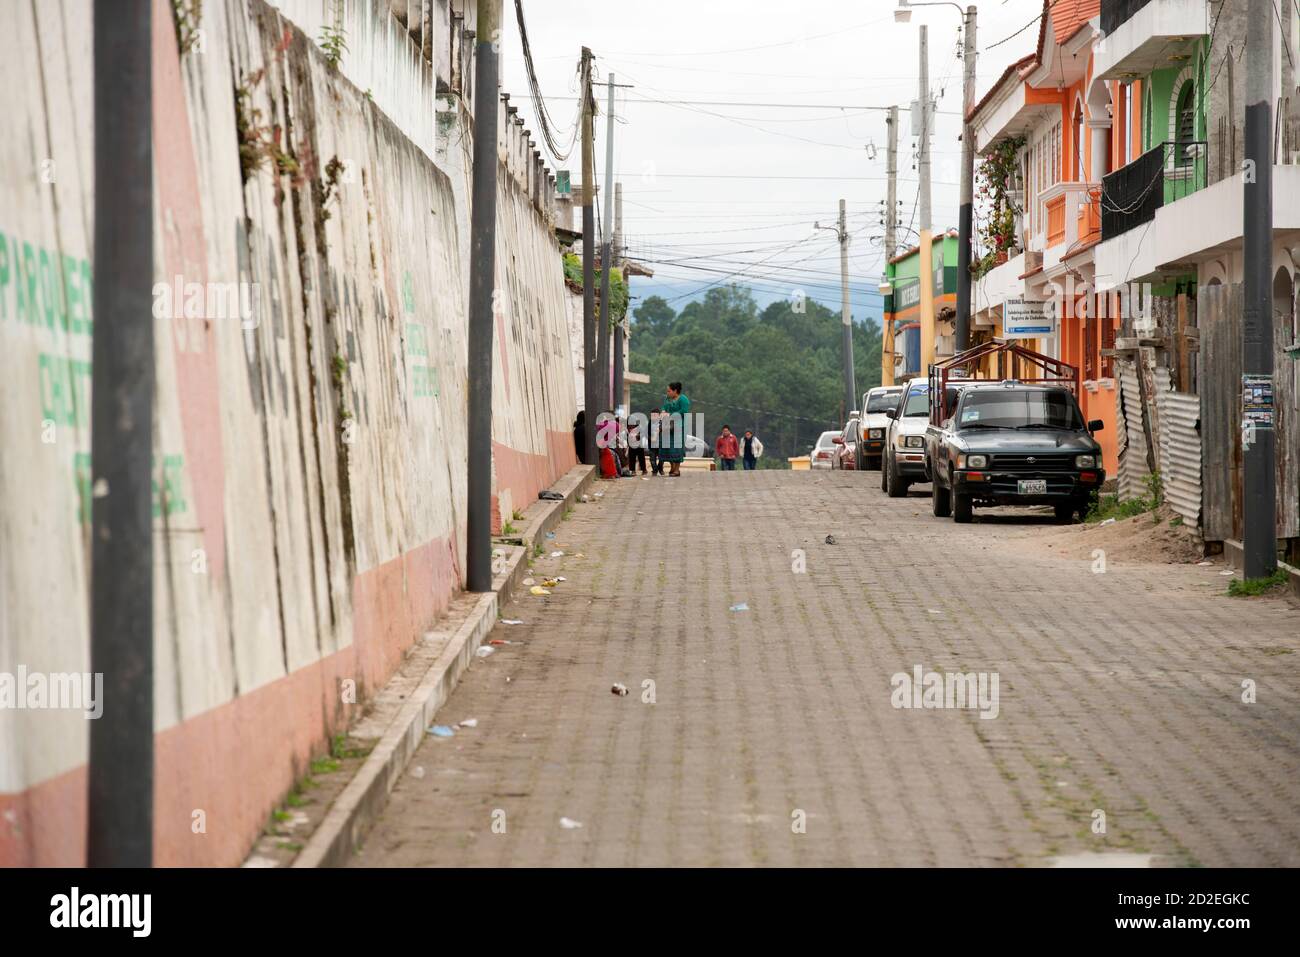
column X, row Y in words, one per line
column 1164, row 174
column 1139, row 36
column 1115, row 12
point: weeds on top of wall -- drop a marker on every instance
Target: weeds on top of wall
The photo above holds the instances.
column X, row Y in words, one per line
column 186, row 17
column 333, row 39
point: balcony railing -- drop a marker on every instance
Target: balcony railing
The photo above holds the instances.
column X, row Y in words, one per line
column 1116, row 12
column 1163, row 174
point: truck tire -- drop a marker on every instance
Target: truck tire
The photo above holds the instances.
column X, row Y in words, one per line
column 1065, row 512
column 884, row 474
column 962, row 507
column 897, row 487
column 940, row 503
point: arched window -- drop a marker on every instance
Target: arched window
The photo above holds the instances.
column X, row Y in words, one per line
column 1078, row 142
column 1186, row 129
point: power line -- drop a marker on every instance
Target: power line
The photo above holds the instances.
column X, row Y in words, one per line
column 545, row 121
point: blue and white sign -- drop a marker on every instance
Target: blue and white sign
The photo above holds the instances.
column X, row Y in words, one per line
column 1023, row 319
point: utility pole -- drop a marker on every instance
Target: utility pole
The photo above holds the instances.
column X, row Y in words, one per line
column 621, row 329
column 846, row 317
column 590, row 397
column 482, row 280
column 965, row 214
column 891, row 242
column 606, row 313
column 1259, row 543
column 120, row 776
column 926, row 270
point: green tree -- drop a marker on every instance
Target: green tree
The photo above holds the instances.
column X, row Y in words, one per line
column 777, row 371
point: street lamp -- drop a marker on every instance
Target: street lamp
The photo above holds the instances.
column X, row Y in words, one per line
column 903, row 14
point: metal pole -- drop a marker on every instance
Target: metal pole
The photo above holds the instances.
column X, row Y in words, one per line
column 891, row 242
column 606, row 313
column 620, row 340
column 121, row 766
column 482, row 278
column 964, row 217
column 925, row 277
column 1260, row 479
column 846, row 316
column 590, row 376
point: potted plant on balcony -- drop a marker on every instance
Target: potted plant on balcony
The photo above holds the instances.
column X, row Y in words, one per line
column 997, row 180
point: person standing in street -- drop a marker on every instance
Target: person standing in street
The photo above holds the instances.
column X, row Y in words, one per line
column 635, row 448
column 656, row 436
column 728, row 448
column 677, row 408
column 750, row 448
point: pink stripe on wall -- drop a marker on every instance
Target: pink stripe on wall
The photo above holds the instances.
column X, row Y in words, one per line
column 238, row 760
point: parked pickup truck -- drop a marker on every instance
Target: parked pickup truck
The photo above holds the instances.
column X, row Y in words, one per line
column 1011, row 443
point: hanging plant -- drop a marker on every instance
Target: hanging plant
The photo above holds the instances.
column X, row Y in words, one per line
column 996, row 178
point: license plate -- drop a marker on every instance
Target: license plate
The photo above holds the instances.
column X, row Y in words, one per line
column 1032, row 486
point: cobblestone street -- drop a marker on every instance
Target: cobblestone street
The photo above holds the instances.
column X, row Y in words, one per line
column 1120, row 693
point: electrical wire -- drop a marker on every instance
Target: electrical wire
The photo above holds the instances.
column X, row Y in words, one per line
column 545, row 121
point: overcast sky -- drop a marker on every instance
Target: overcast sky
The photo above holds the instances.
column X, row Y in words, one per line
column 720, row 188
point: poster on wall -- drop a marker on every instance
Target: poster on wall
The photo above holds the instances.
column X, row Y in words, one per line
column 1257, row 401
column 1022, row 319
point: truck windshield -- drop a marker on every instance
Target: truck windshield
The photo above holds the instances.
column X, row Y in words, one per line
column 1012, row 409
column 882, row 401
column 918, row 403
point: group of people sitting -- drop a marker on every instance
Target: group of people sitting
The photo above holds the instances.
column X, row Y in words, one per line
column 661, row 438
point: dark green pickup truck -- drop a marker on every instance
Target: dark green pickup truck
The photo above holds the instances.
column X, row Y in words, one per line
column 1012, row 443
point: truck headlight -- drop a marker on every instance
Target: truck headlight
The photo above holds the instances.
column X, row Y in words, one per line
column 976, row 461
column 1085, row 461
column 875, row 433
column 914, row 442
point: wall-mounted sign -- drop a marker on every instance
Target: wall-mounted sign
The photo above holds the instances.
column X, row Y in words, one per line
column 1023, row 319
column 562, row 184
column 907, row 293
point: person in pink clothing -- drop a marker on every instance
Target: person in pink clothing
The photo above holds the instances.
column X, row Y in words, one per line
column 727, row 447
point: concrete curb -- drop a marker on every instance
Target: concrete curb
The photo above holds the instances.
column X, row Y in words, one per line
column 1233, row 552
column 355, row 810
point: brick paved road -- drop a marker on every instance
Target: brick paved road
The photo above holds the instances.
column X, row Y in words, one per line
column 1118, row 691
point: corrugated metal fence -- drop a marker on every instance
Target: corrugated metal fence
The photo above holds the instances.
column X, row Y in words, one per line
column 1180, row 448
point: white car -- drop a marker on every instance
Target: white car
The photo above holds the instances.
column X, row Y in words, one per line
column 904, row 462
column 874, row 424
column 823, row 453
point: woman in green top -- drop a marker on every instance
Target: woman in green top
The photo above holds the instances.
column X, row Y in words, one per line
column 673, row 445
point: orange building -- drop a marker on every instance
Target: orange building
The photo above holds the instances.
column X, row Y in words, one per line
column 1051, row 132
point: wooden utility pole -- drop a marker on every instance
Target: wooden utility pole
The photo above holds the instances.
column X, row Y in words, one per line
column 846, row 317
column 620, row 330
column 589, row 371
column 926, row 270
column 606, row 313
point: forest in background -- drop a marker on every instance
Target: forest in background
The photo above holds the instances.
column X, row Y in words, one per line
column 777, row 370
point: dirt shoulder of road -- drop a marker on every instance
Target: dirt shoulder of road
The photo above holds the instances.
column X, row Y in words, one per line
column 1154, row 538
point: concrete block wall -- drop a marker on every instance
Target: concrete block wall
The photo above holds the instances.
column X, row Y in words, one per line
column 309, row 456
